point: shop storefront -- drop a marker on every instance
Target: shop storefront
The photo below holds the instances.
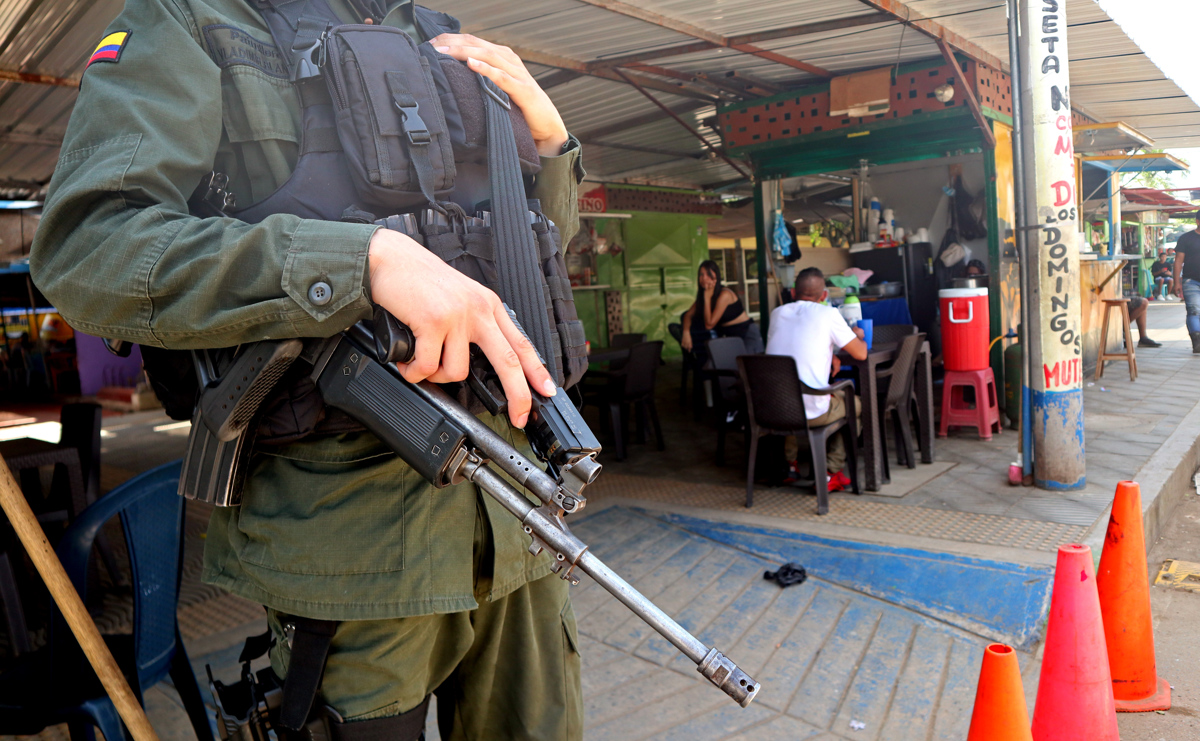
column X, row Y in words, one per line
column 932, row 192
column 633, row 264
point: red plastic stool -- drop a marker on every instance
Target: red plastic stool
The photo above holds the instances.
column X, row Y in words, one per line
column 956, row 413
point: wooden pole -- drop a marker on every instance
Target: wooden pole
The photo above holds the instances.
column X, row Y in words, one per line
column 51, row 569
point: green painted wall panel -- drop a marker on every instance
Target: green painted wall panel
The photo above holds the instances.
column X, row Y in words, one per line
column 662, row 254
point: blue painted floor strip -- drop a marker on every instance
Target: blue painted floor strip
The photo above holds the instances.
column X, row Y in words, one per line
column 1003, row 601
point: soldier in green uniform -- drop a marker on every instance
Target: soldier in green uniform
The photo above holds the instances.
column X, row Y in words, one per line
column 435, row 588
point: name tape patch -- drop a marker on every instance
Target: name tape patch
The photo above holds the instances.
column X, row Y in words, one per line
column 110, row 48
column 229, row 46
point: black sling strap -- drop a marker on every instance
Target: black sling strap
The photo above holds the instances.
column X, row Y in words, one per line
column 310, row 648
column 521, row 286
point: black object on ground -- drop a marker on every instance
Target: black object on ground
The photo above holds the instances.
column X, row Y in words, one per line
column 788, row 574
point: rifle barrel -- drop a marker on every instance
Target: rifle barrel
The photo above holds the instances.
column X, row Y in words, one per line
column 575, row 554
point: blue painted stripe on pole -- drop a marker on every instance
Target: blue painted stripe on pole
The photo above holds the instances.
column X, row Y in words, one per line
column 1000, row 600
column 1060, row 410
column 1026, row 431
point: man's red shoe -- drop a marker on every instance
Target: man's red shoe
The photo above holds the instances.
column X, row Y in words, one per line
column 838, row 481
column 793, row 474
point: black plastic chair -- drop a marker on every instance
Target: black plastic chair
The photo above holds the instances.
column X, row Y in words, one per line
column 626, row 339
column 892, row 332
column 897, row 400
column 723, row 353
column 619, row 341
column 632, row 385
column 775, row 406
column 54, row 684
column 690, row 363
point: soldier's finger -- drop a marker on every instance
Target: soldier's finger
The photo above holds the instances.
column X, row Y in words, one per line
column 468, row 40
column 507, row 364
column 456, row 359
column 489, row 54
column 539, row 378
column 426, row 359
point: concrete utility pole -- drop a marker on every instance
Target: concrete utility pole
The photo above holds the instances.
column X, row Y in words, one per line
column 1055, row 344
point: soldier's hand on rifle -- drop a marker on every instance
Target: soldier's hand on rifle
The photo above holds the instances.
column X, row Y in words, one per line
column 447, row 312
column 502, row 66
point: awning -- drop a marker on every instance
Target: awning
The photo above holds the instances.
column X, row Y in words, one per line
column 1107, row 137
column 1158, row 199
column 1147, row 162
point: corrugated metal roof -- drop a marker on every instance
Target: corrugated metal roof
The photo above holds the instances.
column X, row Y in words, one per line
column 1111, row 77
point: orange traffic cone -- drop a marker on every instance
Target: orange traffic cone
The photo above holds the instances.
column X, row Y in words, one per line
column 1000, row 713
column 1124, row 586
column 1075, row 699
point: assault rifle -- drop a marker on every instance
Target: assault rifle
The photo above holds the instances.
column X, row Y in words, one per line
column 443, row 441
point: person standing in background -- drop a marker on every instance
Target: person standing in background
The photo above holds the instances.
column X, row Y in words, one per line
column 1186, row 278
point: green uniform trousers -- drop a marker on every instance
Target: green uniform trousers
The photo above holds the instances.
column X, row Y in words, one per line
column 509, row 669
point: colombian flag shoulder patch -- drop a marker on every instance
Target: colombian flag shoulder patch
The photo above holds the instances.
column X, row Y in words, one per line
column 110, row 48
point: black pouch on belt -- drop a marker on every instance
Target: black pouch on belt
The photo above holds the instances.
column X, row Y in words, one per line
column 389, row 116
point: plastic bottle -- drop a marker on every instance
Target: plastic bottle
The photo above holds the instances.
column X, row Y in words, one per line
column 851, row 310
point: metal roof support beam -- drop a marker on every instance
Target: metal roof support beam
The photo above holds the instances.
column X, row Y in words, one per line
column 731, row 83
column 37, row 140
column 989, row 138
column 684, row 89
column 29, row 185
column 748, row 38
column 781, row 59
column 574, row 65
column 645, row 150
column 685, row 125
column 935, row 30
column 751, row 85
column 634, row 122
column 32, row 78
column 664, row 72
column 657, row 19
column 558, row 77
column 716, row 39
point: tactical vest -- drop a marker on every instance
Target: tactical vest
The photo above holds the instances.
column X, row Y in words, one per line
column 401, row 135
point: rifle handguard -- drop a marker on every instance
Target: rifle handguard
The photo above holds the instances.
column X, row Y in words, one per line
column 353, row 381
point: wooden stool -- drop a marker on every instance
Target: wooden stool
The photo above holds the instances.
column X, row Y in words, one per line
column 984, row 416
column 1123, row 305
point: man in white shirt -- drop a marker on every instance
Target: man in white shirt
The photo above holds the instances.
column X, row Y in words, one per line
column 810, row 331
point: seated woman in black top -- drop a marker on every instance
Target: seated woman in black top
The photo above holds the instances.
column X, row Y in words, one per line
column 717, row 312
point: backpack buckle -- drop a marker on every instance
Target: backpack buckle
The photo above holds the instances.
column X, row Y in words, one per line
column 414, row 126
column 410, row 113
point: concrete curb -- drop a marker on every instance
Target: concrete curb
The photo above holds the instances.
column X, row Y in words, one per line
column 1166, row 479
